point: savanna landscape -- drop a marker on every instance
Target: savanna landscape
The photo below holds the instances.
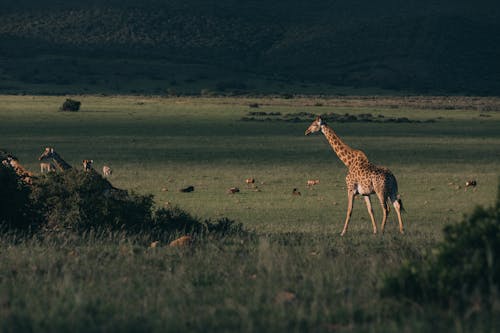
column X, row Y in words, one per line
column 205, row 207
column 290, row 269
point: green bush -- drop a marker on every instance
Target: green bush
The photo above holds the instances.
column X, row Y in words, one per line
column 174, row 220
column 82, row 201
column 16, row 211
column 79, row 202
column 70, row 105
column 463, row 271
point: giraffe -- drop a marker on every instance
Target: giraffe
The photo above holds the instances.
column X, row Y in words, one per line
column 25, row 175
column 50, row 153
column 363, row 177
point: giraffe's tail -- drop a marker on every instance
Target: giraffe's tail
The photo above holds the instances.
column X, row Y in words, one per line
column 401, row 204
column 394, row 200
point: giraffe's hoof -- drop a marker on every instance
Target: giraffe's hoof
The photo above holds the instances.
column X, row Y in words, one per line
column 342, row 233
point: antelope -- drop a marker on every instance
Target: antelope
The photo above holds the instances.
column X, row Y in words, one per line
column 106, row 171
column 311, row 182
column 87, row 165
column 233, row 190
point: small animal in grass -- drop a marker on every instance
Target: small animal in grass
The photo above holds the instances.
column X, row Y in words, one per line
column 181, row 241
column 312, row 182
column 250, row 181
column 87, row 165
column 233, row 190
column 295, row 192
column 107, row 171
column 471, row 183
column 187, row 189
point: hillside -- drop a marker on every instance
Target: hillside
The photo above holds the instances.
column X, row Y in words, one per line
column 194, row 45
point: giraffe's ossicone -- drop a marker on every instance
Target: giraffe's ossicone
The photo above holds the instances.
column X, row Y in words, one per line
column 363, row 177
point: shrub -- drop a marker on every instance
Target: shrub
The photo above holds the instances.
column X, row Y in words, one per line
column 82, row 201
column 224, row 227
column 462, row 271
column 174, row 220
column 70, row 105
column 16, row 210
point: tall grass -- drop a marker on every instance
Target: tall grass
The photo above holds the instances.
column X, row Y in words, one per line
column 294, row 273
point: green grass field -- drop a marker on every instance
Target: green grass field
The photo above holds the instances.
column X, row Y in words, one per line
column 159, row 145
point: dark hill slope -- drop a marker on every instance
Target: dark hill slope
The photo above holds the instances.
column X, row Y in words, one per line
column 453, row 46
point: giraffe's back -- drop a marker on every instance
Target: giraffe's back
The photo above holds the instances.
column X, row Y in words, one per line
column 368, row 178
column 385, row 182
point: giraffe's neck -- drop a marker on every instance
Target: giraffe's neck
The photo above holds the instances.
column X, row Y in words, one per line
column 345, row 153
column 60, row 163
column 22, row 172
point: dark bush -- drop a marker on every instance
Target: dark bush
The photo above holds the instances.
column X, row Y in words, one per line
column 70, row 105
column 175, row 220
column 77, row 201
column 462, row 272
column 82, row 201
column 16, row 211
column 224, row 227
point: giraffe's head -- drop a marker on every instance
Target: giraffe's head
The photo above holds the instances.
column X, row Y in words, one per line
column 47, row 153
column 315, row 126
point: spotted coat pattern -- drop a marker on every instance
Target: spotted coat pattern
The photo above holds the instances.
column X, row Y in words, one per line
column 363, row 177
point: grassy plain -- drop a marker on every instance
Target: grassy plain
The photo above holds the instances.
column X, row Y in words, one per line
column 153, row 144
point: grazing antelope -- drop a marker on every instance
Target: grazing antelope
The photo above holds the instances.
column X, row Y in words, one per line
column 50, row 153
column 470, row 183
column 87, row 165
column 363, row 177
column 250, row 181
column 295, row 192
column 311, row 182
column 106, row 171
column 233, row 190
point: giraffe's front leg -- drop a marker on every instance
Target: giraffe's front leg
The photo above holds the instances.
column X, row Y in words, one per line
column 350, row 201
column 370, row 211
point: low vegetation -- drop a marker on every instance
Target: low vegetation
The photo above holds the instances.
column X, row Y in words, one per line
column 79, row 202
column 104, row 270
column 461, row 273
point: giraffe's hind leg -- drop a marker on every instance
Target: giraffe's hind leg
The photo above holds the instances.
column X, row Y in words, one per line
column 397, row 207
column 350, row 201
column 370, row 212
column 385, row 209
